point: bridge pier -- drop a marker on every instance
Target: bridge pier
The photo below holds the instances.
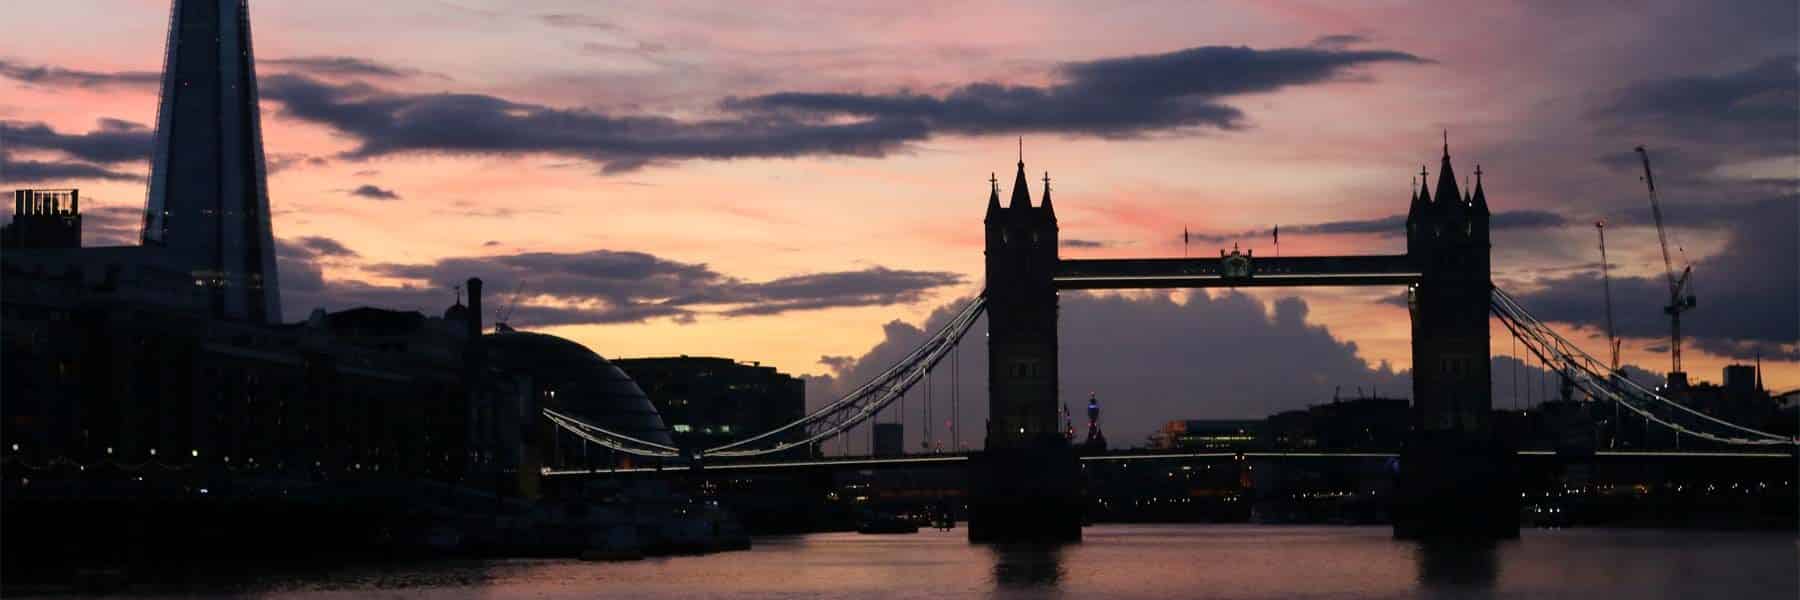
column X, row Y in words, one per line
column 1452, row 488
column 1028, row 494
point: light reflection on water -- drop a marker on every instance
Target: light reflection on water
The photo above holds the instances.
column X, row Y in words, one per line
column 1128, row 561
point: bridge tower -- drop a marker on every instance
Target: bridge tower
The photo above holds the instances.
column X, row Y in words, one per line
column 1025, row 484
column 1458, row 477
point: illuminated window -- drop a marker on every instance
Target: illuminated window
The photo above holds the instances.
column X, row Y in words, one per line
column 682, row 428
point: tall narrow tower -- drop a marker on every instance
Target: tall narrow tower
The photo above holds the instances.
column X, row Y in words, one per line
column 1025, row 485
column 1448, row 239
column 1458, row 475
column 1021, row 296
column 208, row 206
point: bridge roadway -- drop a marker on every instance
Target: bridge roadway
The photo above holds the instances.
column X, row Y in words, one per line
column 944, row 459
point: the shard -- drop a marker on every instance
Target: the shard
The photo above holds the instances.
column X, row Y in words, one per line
column 208, row 206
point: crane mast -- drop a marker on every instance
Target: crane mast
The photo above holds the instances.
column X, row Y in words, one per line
column 505, row 313
column 1612, row 338
column 1677, row 284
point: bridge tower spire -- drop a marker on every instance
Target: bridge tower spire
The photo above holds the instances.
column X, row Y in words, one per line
column 1021, row 190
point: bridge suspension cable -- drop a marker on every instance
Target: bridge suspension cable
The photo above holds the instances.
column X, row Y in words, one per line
column 1593, row 376
column 832, row 419
column 610, row 439
column 866, row 400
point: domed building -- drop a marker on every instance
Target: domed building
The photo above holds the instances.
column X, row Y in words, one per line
column 585, row 385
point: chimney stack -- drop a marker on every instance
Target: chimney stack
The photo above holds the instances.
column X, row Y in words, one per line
column 474, row 320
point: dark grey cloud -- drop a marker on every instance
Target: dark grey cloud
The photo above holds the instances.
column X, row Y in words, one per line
column 577, row 21
column 1113, row 97
column 1749, row 292
column 301, row 278
column 111, row 225
column 341, row 66
column 324, row 246
column 1109, row 97
column 33, row 171
column 605, row 286
column 1521, row 381
column 639, row 48
column 113, row 141
column 1392, row 226
column 374, row 192
column 1526, row 219
column 384, row 123
column 277, row 163
column 876, row 286
column 298, row 261
column 1081, row 243
column 52, row 76
column 1151, row 359
column 1757, row 106
column 1338, row 41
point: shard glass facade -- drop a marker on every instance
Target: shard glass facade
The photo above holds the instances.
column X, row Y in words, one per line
column 208, row 205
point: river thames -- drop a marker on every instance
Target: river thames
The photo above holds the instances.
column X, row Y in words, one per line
column 1115, row 561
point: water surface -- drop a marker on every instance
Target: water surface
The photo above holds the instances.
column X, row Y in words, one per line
column 1124, row 561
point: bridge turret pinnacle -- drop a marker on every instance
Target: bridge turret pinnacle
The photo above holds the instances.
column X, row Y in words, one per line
column 1419, row 202
column 1049, row 211
column 1479, row 203
column 993, row 205
column 1424, row 179
column 1021, row 191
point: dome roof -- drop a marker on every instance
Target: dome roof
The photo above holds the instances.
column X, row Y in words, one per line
column 586, row 385
column 456, row 312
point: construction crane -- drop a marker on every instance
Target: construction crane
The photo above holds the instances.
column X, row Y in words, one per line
column 1612, row 338
column 505, row 312
column 1678, row 303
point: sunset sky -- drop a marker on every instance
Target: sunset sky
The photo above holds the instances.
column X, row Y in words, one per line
column 782, row 182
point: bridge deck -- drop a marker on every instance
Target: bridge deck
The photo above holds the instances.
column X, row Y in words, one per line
column 1204, row 272
column 958, row 459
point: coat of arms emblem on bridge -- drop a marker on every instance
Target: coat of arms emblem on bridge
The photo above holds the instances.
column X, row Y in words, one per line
column 1235, row 265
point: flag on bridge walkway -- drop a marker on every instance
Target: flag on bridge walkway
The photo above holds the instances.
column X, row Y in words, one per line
column 1184, row 241
column 1277, row 234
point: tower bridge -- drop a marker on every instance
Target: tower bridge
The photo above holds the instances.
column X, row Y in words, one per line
column 1024, row 482
column 1457, row 476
